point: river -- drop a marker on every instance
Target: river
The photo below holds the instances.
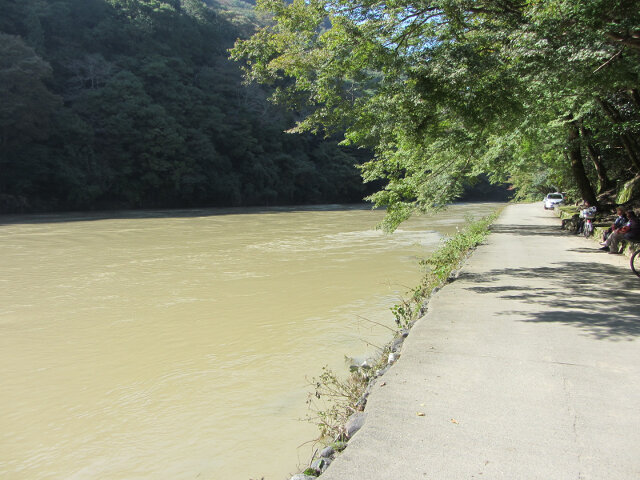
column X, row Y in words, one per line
column 177, row 344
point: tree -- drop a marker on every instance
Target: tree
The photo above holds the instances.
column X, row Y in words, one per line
column 25, row 112
column 27, row 103
column 435, row 87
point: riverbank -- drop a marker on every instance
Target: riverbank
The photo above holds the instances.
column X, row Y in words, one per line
column 519, row 369
column 342, row 415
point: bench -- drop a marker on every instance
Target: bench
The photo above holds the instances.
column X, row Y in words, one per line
column 570, row 215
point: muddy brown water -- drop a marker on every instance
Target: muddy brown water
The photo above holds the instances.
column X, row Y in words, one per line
column 178, row 344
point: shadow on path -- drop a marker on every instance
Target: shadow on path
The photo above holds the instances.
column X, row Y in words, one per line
column 529, row 230
column 600, row 299
column 592, row 250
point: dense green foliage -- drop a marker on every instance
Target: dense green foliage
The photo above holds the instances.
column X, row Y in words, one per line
column 543, row 94
column 135, row 103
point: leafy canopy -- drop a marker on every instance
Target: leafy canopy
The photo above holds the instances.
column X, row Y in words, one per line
column 445, row 90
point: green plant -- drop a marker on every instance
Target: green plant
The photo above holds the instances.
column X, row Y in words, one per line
column 440, row 265
column 334, row 399
column 339, row 446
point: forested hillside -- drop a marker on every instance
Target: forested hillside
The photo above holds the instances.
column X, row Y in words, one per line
column 134, row 103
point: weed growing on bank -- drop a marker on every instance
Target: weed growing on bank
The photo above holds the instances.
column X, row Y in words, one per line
column 334, row 399
column 439, row 267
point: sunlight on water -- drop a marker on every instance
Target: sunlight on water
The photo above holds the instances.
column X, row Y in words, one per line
column 177, row 344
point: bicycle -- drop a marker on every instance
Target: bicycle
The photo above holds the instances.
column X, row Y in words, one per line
column 587, row 215
column 587, row 228
column 635, row 262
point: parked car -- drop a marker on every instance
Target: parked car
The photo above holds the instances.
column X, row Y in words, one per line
column 553, row 199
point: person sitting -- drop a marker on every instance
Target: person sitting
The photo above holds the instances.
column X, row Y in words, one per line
column 630, row 231
column 619, row 222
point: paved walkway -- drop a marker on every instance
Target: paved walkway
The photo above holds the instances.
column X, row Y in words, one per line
column 526, row 367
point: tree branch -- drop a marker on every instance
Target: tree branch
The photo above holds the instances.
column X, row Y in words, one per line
column 615, row 55
column 631, row 41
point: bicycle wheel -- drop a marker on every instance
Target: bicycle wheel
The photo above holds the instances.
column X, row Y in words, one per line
column 635, row 262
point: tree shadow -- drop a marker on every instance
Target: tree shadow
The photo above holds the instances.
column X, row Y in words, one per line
column 602, row 300
column 529, row 230
column 594, row 250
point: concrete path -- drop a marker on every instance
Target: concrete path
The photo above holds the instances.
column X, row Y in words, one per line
column 526, row 367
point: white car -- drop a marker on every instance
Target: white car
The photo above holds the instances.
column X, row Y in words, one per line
column 553, row 199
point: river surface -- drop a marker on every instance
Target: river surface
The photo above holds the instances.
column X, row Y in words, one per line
column 177, row 344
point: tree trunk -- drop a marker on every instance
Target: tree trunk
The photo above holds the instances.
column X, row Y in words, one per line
column 577, row 166
column 628, row 142
column 631, row 149
column 635, row 96
column 601, row 170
